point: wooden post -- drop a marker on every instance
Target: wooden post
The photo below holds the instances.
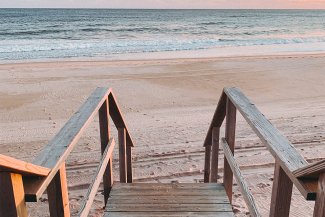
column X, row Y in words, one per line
column 319, row 210
column 12, row 195
column 129, row 164
column 230, row 138
column 215, row 154
column 207, row 163
column 281, row 193
column 104, row 139
column 57, row 192
column 122, row 154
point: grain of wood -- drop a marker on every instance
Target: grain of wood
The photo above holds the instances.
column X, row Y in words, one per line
column 281, row 193
column 165, row 199
column 311, row 171
column 215, row 154
column 319, row 210
column 12, row 195
column 279, row 146
column 9, row 164
column 57, row 192
column 122, row 154
column 207, row 164
column 230, row 138
column 104, row 128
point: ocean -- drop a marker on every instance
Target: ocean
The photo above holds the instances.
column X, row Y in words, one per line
column 45, row 34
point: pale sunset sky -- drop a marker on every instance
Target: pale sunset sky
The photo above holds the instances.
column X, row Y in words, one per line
column 167, row 4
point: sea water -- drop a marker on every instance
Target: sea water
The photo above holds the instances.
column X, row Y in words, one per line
column 44, row 34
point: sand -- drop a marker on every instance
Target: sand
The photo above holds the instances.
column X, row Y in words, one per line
column 168, row 105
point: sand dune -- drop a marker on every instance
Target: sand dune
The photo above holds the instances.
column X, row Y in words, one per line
column 168, row 105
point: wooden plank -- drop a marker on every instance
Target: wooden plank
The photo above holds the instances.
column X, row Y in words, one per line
column 319, row 210
column 57, row 192
column 168, row 214
column 12, row 200
column 281, row 193
column 57, row 150
column 218, row 117
column 104, row 128
column 122, row 154
column 215, row 154
column 129, row 164
column 230, row 138
column 311, row 171
column 93, row 188
column 183, row 192
column 168, row 186
column 168, row 207
column 12, row 165
column 207, row 164
column 117, row 117
column 248, row 197
column 128, row 199
column 279, row 146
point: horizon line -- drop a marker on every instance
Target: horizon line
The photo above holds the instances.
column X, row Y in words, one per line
column 162, row 8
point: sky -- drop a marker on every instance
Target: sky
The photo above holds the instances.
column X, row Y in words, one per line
column 166, row 4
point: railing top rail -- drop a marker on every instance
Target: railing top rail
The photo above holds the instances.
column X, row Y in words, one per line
column 58, row 149
column 9, row 164
column 279, row 146
column 282, row 150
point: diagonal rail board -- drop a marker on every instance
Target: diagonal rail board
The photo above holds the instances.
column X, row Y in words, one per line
column 58, row 149
column 279, row 146
column 92, row 190
column 248, row 197
column 165, row 199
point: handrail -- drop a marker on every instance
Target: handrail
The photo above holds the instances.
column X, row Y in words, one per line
column 47, row 172
column 291, row 167
column 12, row 165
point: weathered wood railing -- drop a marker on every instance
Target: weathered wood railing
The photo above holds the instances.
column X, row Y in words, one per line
column 290, row 167
column 21, row 181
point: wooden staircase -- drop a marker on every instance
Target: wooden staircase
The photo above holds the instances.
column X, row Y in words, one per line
column 156, row 199
column 22, row 182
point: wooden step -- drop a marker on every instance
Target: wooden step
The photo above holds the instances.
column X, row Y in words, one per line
column 177, row 199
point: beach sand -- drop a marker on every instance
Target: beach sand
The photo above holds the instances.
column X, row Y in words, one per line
column 168, row 105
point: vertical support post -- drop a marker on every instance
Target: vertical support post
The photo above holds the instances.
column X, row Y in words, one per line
column 207, row 163
column 129, row 164
column 215, row 154
column 12, row 195
column 104, row 140
column 230, row 138
column 57, row 192
column 281, row 193
column 319, row 210
column 122, row 154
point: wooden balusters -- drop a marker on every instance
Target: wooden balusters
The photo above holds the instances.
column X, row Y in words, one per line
column 215, row 154
column 12, row 196
column 319, row 210
column 122, row 154
column 207, row 163
column 104, row 140
column 129, row 163
column 281, row 193
column 57, row 192
column 230, row 138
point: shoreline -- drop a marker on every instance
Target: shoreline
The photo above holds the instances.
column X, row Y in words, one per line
column 95, row 60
